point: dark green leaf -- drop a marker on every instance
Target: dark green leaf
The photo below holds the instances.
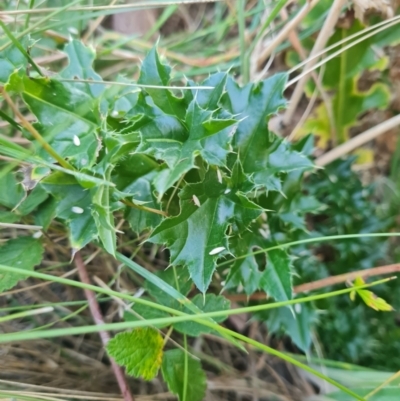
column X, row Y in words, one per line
column 74, row 206
column 245, row 271
column 209, row 303
column 276, row 280
column 261, row 154
column 66, row 115
column 32, row 201
column 187, row 384
column 197, row 237
column 23, row 253
column 12, row 192
column 177, row 278
column 11, row 59
column 81, row 59
column 155, row 73
column 207, row 135
column 296, row 323
column 140, row 312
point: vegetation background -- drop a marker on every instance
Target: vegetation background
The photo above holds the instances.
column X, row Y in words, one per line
column 270, row 192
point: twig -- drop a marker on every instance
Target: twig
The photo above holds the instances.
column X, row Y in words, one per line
column 95, row 24
column 21, row 226
column 29, row 127
column 118, row 7
column 283, row 34
column 144, row 208
column 325, row 282
column 98, row 319
column 320, row 43
column 358, row 140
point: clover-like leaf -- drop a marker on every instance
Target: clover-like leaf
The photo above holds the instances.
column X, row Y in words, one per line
column 276, row 280
column 139, row 351
column 183, row 375
column 207, row 209
column 23, row 253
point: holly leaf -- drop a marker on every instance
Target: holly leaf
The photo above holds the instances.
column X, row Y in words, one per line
column 209, row 303
column 206, row 134
column 245, row 271
column 153, row 72
column 276, row 279
column 197, row 236
column 261, row 154
column 139, row 351
column 183, row 375
column 67, row 117
column 23, row 253
column 74, row 206
column 295, row 322
column 81, row 59
column 206, row 98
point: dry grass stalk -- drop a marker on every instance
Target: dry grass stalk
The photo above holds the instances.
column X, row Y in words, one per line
column 324, row 35
column 358, row 141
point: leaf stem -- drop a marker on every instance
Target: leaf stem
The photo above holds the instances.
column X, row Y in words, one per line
column 185, row 369
column 28, row 126
column 144, row 208
column 98, row 319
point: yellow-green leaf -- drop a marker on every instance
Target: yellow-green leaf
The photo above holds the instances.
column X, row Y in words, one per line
column 139, row 351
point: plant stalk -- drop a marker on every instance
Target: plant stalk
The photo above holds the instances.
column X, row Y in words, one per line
column 98, row 319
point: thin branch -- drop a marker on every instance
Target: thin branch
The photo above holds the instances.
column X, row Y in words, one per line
column 119, row 7
column 98, row 319
column 21, row 226
column 29, row 127
column 325, row 282
column 91, row 81
column 95, row 24
column 320, row 43
column 144, row 208
column 358, row 141
column 283, row 34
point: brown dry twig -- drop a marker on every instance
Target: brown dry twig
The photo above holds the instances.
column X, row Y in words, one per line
column 325, row 282
column 98, row 319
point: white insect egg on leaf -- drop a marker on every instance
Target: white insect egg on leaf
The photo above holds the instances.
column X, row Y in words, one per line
column 219, row 175
column 196, row 201
column 76, row 140
column 217, row 250
column 77, row 210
